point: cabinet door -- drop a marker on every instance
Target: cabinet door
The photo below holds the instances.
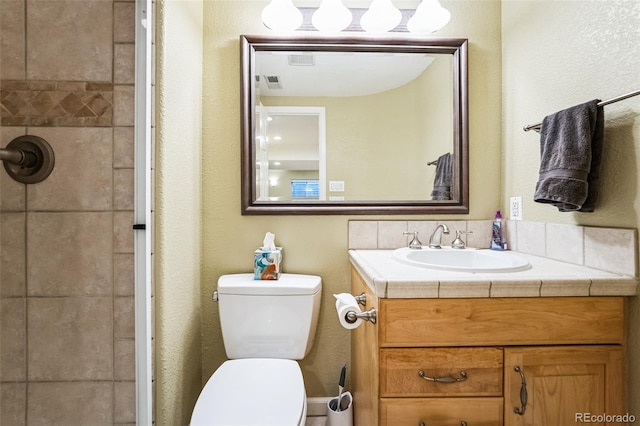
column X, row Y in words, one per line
column 550, row 386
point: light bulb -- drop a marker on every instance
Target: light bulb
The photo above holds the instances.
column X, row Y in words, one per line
column 430, row 16
column 381, row 17
column 331, row 17
column 282, row 16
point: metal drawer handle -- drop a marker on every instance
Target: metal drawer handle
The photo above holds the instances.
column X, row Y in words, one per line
column 523, row 393
column 446, row 379
column 462, row 423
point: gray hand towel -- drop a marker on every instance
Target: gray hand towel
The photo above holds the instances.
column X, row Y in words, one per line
column 570, row 154
column 442, row 181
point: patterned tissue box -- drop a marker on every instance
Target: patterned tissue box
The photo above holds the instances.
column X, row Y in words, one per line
column 266, row 264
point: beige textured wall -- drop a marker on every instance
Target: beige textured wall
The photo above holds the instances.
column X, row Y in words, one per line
column 177, row 210
column 557, row 54
column 316, row 244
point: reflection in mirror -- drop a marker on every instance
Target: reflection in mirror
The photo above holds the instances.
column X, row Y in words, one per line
column 290, row 153
column 354, row 125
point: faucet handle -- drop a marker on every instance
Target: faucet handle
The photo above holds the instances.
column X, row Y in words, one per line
column 458, row 243
column 415, row 242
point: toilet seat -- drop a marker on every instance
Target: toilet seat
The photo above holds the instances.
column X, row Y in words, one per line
column 260, row 391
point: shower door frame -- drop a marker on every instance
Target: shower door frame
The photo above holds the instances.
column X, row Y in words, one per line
column 142, row 210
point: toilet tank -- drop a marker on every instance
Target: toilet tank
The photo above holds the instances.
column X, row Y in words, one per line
column 269, row 318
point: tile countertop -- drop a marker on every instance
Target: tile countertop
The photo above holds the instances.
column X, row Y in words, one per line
column 389, row 278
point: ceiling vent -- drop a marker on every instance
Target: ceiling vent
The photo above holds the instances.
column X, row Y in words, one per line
column 273, row 81
column 302, row 60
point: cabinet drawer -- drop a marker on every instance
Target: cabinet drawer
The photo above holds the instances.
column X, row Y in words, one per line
column 478, row 372
column 441, row 411
column 493, row 322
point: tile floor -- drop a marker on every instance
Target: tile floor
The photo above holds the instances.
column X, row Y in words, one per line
column 316, row 421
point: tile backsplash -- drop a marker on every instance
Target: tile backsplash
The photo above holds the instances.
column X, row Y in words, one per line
column 609, row 249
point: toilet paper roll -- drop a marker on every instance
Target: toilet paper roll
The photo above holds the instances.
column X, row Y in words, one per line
column 342, row 310
column 346, row 299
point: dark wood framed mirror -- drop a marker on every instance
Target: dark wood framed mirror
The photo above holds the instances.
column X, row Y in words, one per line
column 354, row 125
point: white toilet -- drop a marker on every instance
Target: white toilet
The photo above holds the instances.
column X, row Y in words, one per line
column 266, row 326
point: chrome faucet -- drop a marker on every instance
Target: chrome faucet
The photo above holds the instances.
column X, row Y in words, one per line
column 458, row 243
column 436, row 237
column 415, row 242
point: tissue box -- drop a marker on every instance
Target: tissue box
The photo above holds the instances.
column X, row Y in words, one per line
column 266, row 264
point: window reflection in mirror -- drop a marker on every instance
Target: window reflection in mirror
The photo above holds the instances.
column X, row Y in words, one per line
column 361, row 128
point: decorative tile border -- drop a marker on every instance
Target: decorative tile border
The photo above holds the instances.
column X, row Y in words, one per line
column 56, row 103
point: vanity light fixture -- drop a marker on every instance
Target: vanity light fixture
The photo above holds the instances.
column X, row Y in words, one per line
column 381, row 17
column 331, row 17
column 430, row 16
column 281, row 16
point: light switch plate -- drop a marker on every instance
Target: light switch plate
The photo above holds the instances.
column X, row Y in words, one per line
column 336, row 186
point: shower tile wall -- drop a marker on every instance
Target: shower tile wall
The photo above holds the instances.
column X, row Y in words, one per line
column 66, row 277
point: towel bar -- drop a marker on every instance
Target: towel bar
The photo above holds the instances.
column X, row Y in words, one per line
column 537, row 126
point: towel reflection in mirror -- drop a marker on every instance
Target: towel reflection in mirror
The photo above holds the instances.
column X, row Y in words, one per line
column 443, row 178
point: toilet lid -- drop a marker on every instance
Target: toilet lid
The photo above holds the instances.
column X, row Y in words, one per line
column 247, row 392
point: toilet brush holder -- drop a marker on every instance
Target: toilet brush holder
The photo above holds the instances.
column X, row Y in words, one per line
column 343, row 416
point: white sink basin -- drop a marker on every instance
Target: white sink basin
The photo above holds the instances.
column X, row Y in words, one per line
column 465, row 260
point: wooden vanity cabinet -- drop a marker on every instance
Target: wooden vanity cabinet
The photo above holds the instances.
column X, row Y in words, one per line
column 567, row 350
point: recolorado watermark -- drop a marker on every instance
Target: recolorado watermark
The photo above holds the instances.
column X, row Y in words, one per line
column 605, row 418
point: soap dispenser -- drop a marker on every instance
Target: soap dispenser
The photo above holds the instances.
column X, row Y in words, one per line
column 498, row 241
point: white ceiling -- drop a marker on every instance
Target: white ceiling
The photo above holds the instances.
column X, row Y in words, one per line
column 338, row 73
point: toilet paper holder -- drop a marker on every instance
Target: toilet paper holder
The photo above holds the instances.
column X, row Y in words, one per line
column 361, row 299
column 370, row 315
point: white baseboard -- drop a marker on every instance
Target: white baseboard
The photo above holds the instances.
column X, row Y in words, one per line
column 317, row 406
